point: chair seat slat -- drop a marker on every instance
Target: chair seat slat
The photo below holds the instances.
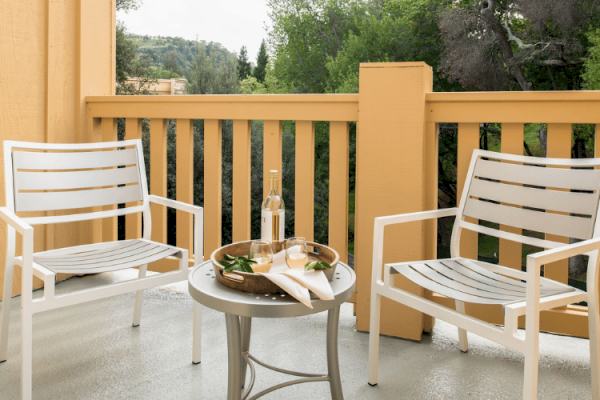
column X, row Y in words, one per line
column 476, row 279
column 73, row 160
column 557, row 224
column 28, row 180
column 433, row 275
column 95, row 257
column 51, row 201
column 111, row 257
column 574, row 179
column 463, row 284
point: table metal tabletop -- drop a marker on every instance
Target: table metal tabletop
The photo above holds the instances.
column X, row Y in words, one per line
column 205, row 289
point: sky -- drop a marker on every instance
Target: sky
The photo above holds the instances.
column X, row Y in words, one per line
column 233, row 23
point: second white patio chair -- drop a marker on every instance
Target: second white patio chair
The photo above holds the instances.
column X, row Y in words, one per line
column 71, row 179
column 555, row 196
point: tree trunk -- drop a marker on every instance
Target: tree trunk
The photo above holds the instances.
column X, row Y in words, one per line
column 487, row 13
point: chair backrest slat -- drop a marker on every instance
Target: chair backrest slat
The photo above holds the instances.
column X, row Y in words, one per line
column 557, row 224
column 74, row 177
column 34, row 180
column 73, row 160
column 555, row 200
column 538, row 175
column 555, row 196
column 53, row 201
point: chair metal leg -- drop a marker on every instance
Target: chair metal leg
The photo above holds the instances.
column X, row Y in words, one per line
column 374, row 338
column 463, row 342
column 139, row 297
column 246, row 325
column 594, row 332
column 26, row 352
column 234, row 357
column 197, row 334
column 530, row 376
column 333, row 365
column 5, row 316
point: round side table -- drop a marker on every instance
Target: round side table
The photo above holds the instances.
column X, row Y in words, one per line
column 241, row 307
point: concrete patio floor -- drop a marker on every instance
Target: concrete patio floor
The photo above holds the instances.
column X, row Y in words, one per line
column 91, row 351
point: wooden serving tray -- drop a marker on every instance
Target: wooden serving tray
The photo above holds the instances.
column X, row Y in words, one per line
column 255, row 283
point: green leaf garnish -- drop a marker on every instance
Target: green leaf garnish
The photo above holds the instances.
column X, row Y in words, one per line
column 238, row 264
column 316, row 265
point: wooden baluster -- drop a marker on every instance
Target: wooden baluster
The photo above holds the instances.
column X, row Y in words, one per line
column 304, row 225
column 512, row 143
column 158, row 177
column 133, row 222
column 213, row 158
column 242, row 135
column 185, row 182
column 339, row 148
column 558, row 146
column 468, row 140
column 109, row 225
column 272, row 158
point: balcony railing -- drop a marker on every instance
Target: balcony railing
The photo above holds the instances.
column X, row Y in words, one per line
column 397, row 119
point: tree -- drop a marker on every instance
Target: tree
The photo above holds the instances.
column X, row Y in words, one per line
column 261, row 62
column 304, row 33
column 127, row 5
column 213, row 70
column 244, row 69
column 517, row 44
column 591, row 75
column 171, row 63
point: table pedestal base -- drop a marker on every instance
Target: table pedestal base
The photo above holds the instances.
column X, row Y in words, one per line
column 238, row 344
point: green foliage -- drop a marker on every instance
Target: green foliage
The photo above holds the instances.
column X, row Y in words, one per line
column 316, row 265
column 271, row 84
column 171, row 63
column 130, row 64
column 237, row 264
column 244, row 69
column 125, row 54
column 213, row 71
column 591, row 74
column 304, row 33
column 261, row 63
column 128, row 5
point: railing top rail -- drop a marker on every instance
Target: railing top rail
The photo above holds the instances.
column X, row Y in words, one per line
column 229, row 98
column 308, row 107
column 567, row 107
column 531, row 96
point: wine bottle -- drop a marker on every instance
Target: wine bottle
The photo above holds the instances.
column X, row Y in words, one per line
column 272, row 226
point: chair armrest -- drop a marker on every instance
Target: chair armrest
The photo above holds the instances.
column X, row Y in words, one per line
column 566, row 251
column 17, row 223
column 26, row 232
column 178, row 205
column 382, row 222
column 416, row 216
column 535, row 261
column 197, row 211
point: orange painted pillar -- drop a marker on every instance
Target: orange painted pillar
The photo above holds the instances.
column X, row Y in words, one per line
column 391, row 178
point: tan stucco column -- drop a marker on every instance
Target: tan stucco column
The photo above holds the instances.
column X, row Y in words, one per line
column 392, row 178
column 60, row 53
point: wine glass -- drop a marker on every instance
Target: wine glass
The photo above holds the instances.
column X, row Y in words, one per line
column 260, row 251
column 296, row 253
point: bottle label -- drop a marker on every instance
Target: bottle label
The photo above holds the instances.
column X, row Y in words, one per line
column 272, row 225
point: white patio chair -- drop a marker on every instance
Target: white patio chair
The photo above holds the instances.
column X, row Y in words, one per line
column 71, row 179
column 537, row 194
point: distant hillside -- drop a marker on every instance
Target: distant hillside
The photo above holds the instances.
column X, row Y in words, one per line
column 185, row 50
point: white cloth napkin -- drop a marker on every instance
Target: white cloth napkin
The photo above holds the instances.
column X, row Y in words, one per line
column 298, row 282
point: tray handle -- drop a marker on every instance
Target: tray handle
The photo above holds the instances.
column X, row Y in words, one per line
column 230, row 276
